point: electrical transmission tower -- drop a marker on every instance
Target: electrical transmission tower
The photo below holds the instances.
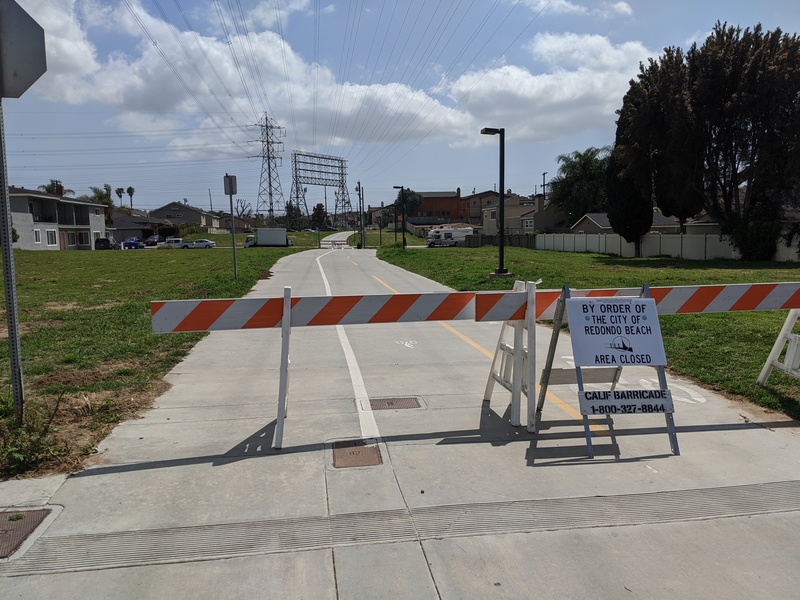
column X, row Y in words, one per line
column 270, row 194
column 319, row 169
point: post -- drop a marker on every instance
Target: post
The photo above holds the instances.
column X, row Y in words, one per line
column 230, row 189
column 12, row 316
column 501, row 269
column 402, row 213
column 283, row 384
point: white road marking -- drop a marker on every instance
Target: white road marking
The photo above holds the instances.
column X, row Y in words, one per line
column 366, row 418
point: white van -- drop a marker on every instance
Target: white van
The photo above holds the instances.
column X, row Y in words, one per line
column 447, row 236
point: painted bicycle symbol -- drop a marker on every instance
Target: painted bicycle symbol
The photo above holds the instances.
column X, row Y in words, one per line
column 408, row 344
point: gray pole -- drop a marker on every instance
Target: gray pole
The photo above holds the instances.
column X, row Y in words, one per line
column 9, row 279
column 233, row 239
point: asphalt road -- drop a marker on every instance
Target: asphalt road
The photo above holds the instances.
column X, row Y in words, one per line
column 192, row 502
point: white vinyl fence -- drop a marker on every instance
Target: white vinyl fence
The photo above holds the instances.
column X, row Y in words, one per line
column 691, row 246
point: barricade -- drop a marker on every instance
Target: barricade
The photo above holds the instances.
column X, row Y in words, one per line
column 253, row 313
column 517, row 308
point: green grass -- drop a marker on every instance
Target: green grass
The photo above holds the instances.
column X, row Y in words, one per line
column 86, row 339
column 90, row 359
column 724, row 352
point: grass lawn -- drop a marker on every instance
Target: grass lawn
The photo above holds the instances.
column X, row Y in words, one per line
column 90, row 359
column 724, row 352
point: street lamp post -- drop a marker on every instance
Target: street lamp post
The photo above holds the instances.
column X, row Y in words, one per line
column 501, row 270
column 402, row 210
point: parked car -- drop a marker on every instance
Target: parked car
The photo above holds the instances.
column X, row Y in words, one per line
column 106, row 243
column 203, row 244
column 132, row 243
column 178, row 243
column 154, row 240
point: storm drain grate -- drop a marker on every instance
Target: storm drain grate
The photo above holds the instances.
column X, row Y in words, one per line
column 16, row 526
column 393, row 403
column 356, row 453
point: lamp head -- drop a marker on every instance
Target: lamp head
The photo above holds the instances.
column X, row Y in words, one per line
column 490, row 131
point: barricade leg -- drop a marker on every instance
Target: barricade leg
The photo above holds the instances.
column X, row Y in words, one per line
column 283, row 386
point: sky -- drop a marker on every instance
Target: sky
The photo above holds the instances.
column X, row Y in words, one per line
column 169, row 96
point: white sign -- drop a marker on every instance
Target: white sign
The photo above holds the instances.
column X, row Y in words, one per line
column 615, row 332
column 625, row 402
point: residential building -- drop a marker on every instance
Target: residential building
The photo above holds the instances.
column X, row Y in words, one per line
column 439, row 208
column 53, row 222
column 599, row 223
column 127, row 223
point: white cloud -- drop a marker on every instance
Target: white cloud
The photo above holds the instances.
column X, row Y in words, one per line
column 571, row 50
column 586, row 80
column 606, row 10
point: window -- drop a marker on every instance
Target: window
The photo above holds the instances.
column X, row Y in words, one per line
column 52, row 238
column 83, row 238
column 528, row 224
column 37, row 236
column 97, row 234
column 493, row 215
column 71, row 238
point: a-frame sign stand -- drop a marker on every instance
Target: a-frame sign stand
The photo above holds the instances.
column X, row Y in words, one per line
column 612, row 332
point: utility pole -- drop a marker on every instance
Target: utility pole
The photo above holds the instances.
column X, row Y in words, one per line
column 544, row 189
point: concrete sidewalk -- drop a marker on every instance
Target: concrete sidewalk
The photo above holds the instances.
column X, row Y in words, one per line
column 190, row 501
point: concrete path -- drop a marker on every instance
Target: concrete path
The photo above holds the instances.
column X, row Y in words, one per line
column 191, row 501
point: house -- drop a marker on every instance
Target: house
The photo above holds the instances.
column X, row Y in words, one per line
column 127, row 223
column 477, row 202
column 179, row 213
column 438, row 208
column 46, row 221
column 518, row 213
column 599, row 223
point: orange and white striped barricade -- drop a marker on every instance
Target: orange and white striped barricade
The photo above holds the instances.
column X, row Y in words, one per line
column 288, row 312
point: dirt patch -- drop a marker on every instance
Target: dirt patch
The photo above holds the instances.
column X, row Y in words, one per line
column 265, row 275
column 81, row 421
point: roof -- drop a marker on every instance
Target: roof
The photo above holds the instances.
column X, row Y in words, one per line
column 454, row 194
column 17, row 191
column 601, row 220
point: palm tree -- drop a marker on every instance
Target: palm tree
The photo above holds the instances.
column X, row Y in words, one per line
column 55, row 187
column 119, row 192
column 130, row 191
column 103, row 196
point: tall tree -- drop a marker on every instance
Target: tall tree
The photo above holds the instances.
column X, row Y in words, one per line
column 119, row 192
column 719, row 129
column 130, row 192
column 580, row 185
column 630, row 213
column 319, row 216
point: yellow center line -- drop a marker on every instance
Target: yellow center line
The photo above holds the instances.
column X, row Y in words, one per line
column 566, row 408
column 386, row 285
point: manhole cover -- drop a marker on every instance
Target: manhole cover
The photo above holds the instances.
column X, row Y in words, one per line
column 16, row 526
column 356, row 453
column 393, row 403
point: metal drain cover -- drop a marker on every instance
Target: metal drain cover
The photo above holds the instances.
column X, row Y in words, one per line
column 16, row 526
column 393, row 403
column 356, row 453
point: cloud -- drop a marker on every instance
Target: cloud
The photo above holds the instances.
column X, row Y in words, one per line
column 606, row 10
column 585, row 82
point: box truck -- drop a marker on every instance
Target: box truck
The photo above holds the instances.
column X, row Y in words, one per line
column 268, row 237
column 447, row 236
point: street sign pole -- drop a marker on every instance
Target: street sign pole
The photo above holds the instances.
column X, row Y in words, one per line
column 9, row 280
column 22, row 62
